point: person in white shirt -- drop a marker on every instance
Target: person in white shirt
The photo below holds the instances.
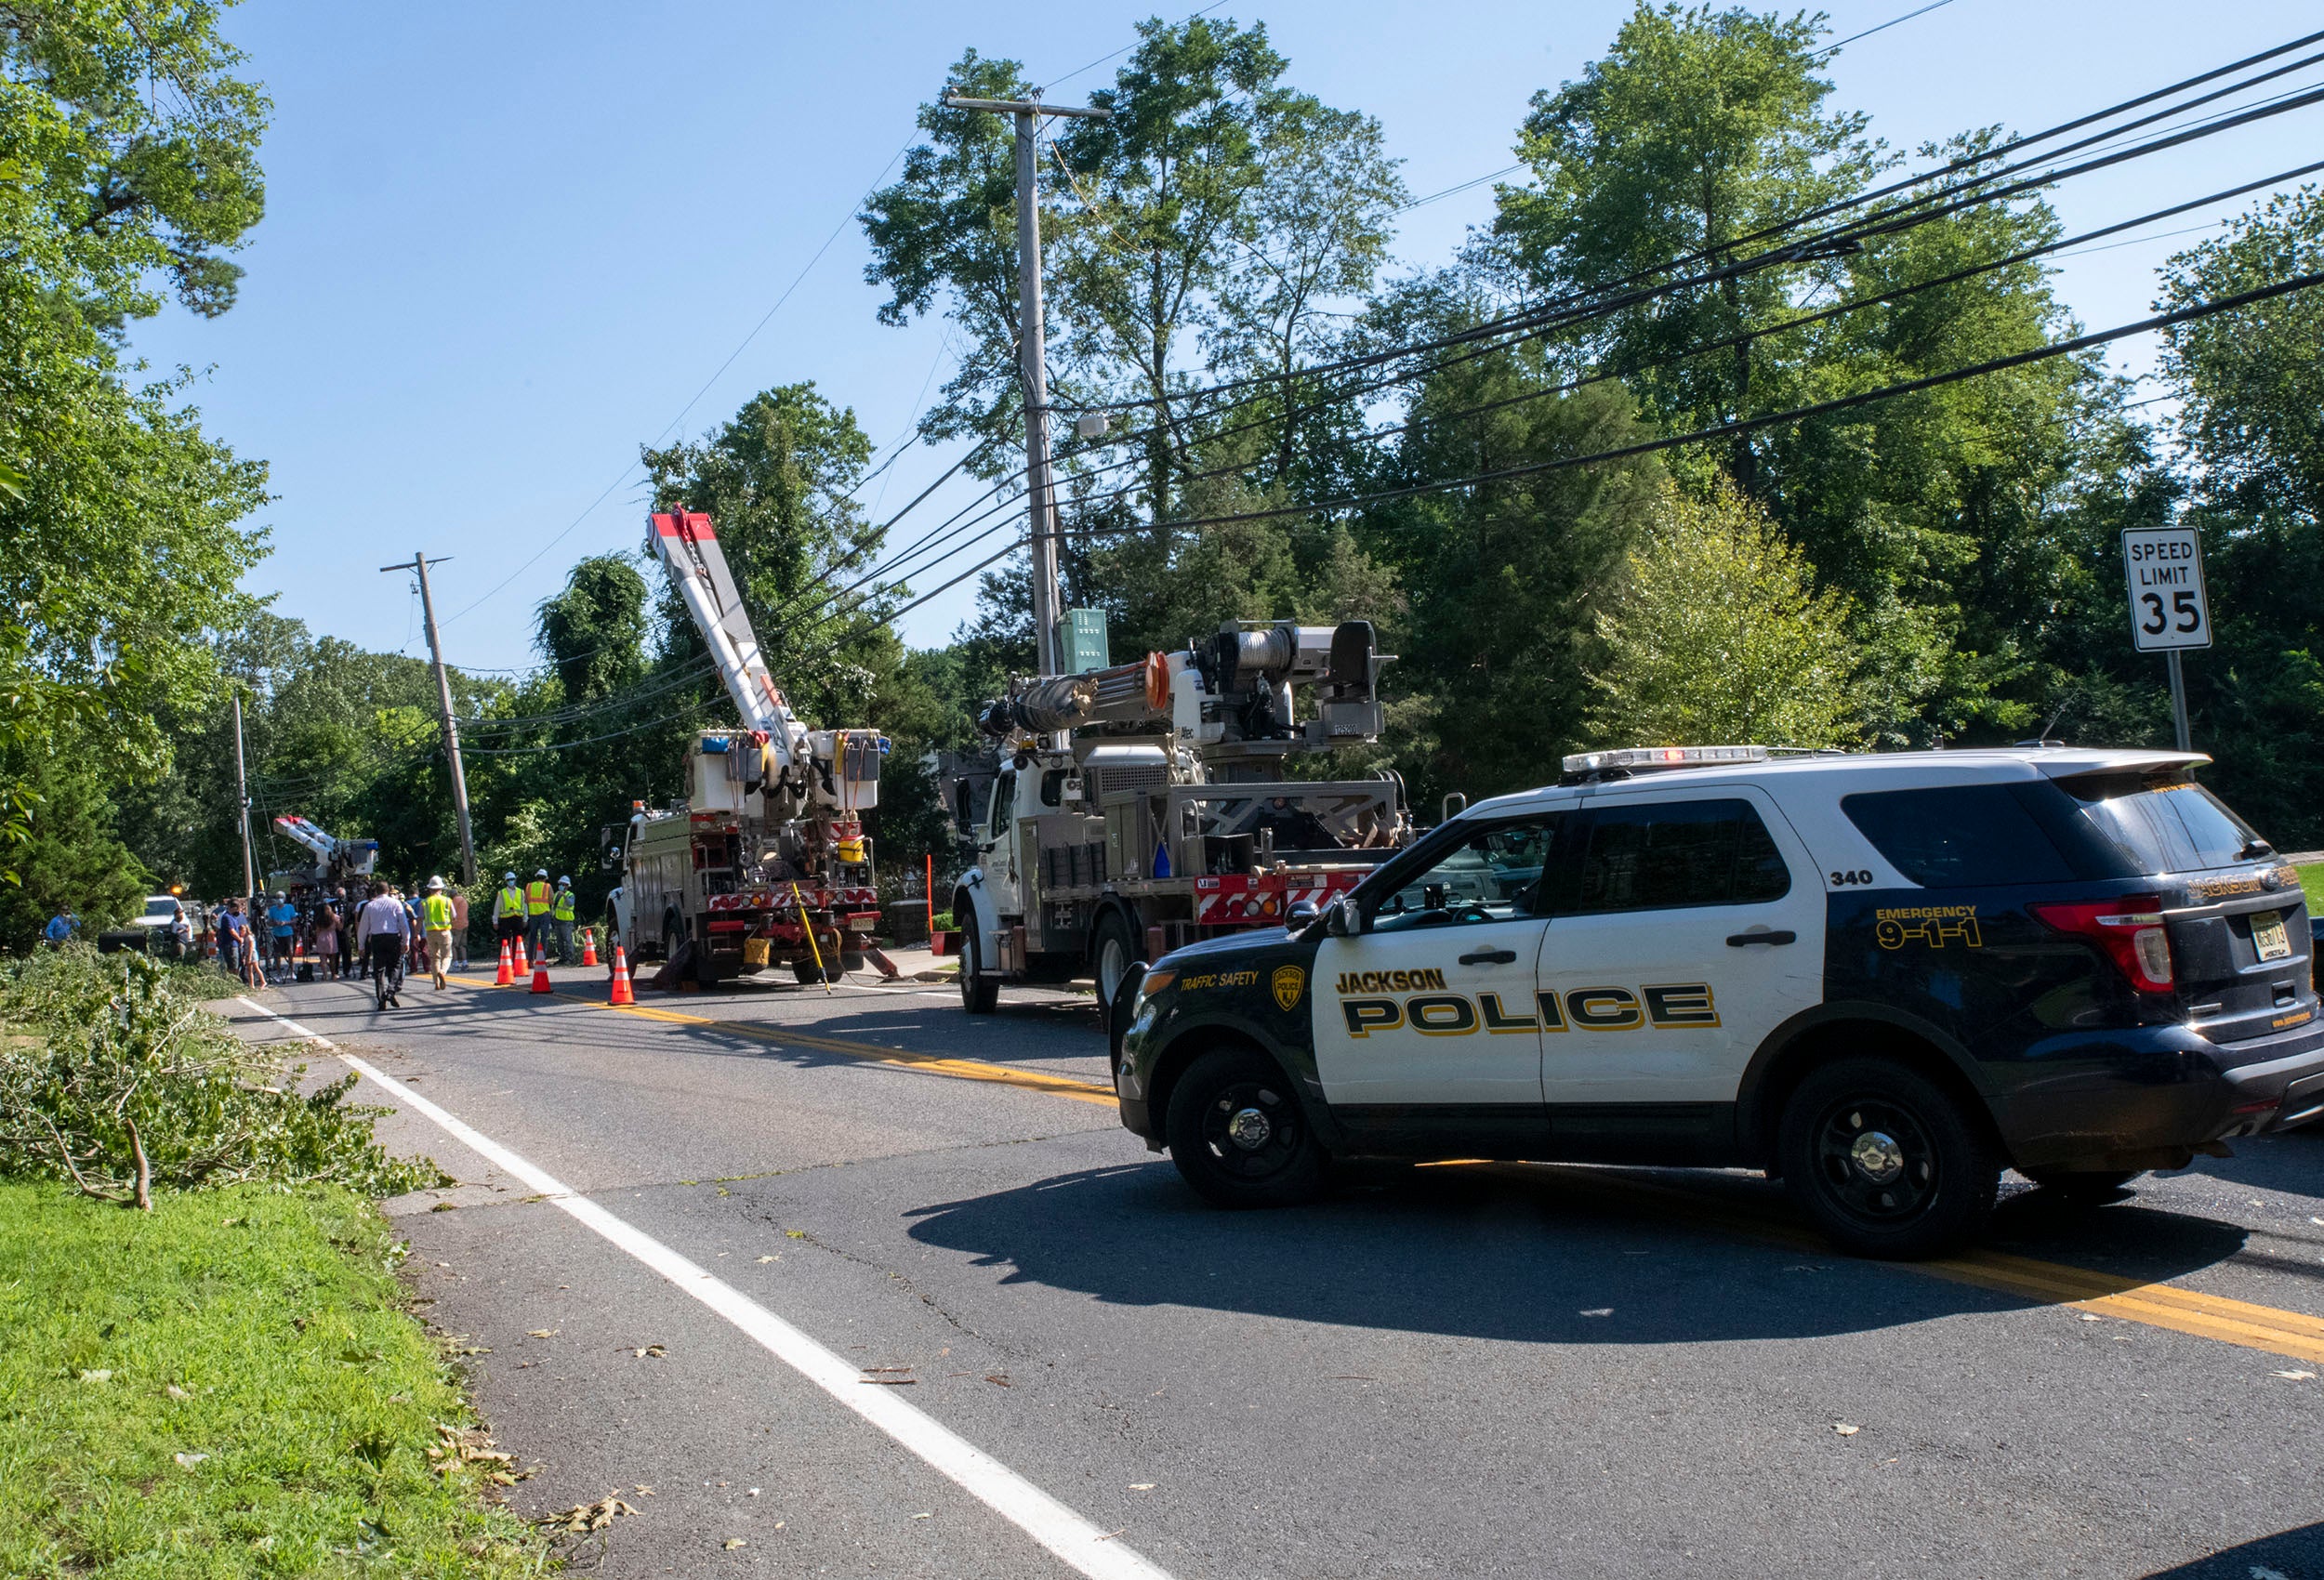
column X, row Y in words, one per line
column 382, row 934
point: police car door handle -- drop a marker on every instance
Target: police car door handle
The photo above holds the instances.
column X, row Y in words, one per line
column 1490, row 957
column 1737, row 939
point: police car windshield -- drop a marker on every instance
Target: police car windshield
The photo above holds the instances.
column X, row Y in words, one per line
column 2165, row 825
column 1489, row 877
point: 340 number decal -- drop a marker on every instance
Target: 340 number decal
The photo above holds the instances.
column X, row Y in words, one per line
column 1841, row 881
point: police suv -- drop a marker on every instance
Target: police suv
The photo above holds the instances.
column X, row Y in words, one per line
column 1884, row 978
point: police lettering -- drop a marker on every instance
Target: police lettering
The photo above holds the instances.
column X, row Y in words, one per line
column 1670, row 1006
column 1390, row 982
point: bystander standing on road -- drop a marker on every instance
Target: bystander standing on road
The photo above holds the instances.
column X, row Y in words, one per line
column 61, row 927
column 178, row 932
column 238, row 946
column 326, row 940
column 382, row 932
column 435, row 920
column 282, row 919
column 560, row 918
column 459, row 928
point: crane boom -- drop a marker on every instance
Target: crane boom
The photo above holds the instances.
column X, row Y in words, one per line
column 691, row 552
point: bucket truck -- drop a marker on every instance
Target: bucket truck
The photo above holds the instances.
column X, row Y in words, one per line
column 765, row 862
column 1146, row 806
column 337, row 862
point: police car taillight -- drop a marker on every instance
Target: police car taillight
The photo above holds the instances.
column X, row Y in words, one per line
column 2129, row 928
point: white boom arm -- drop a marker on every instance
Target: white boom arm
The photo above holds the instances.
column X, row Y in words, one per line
column 690, row 550
column 307, row 834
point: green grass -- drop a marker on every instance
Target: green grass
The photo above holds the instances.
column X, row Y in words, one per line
column 261, row 1329
column 2312, row 885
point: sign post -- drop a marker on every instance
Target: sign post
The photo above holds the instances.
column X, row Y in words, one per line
column 2162, row 568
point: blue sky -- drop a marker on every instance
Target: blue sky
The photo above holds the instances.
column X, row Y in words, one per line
column 505, row 243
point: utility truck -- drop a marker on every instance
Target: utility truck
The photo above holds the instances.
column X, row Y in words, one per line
column 339, row 862
column 1148, row 805
column 764, row 864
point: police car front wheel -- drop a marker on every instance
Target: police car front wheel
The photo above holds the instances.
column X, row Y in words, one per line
column 1237, row 1135
column 1887, row 1161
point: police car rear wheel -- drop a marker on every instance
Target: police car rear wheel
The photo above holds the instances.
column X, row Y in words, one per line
column 1237, row 1135
column 1886, row 1161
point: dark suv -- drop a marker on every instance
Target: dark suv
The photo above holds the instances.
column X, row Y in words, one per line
column 1883, row 977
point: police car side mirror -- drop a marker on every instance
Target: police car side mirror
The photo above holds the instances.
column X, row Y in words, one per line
column 1300, row 914
column 1344, row 920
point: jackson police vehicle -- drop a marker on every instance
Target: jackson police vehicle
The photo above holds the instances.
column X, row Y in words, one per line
column 1883, row 977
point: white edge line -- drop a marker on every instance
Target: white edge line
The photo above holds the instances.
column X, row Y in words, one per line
column 1076, row 1540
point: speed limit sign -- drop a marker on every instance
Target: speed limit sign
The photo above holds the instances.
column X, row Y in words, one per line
column 2164, row 568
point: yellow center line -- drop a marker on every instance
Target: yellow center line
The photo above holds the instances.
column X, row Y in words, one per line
column 2150, row 1303
column 900, row 1057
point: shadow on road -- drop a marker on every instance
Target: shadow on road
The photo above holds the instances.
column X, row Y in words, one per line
column 1525, row 1255
column 2288, row 1555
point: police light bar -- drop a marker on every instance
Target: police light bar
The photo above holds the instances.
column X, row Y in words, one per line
column 1639, row 759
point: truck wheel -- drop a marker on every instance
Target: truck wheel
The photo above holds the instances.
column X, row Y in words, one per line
column 1237, row 1135
column 2081, row 1185
column 807, row 971
column 1885, row 1160
column 978, row 995
column 1111, row 953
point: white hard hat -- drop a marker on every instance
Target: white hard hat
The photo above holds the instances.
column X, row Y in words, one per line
column 507, row 877
column 565, row 883
column 435, row 883
column 540, row 871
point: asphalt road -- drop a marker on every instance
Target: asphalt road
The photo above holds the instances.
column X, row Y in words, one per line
column 1444, row 1371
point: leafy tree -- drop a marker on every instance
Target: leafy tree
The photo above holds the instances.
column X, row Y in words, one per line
column 2251, row 388
column 1699, row 128
column 1718, row 635
column 77, row 861
column 127, row 160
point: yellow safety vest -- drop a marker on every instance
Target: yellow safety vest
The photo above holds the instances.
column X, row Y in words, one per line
column 563, row 912
column 536, row 897
column 509, row 903
column 436, row 914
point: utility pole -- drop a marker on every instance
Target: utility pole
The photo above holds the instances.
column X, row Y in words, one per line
column 1032, row 354
column 444, row 706
column 241, row 809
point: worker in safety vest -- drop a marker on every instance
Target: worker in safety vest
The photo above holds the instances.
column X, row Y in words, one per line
column 509, row 910
column 561, row 915
column 539, row 900
column 435, row 920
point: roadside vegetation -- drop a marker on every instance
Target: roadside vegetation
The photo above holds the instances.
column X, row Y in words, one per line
column 230, row 1386
column 209, row 1367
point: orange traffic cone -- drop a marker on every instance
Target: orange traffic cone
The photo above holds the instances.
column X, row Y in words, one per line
column 540, row 974
column 522, row 964
column 508, row 972
column 623, row 992
column 589, row 946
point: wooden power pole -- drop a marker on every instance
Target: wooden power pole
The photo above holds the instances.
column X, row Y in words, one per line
column 419, row 564
column 1033, row 350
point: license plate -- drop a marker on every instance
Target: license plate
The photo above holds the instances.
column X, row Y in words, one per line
column 2268, row 933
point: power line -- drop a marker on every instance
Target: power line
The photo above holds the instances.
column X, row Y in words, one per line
column 1841, row 43
column 1751, row 425
column 1589, row 300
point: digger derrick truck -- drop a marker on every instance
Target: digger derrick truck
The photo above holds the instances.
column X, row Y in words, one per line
column 765, row 862
column 1146, row 806
column 339, row 862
